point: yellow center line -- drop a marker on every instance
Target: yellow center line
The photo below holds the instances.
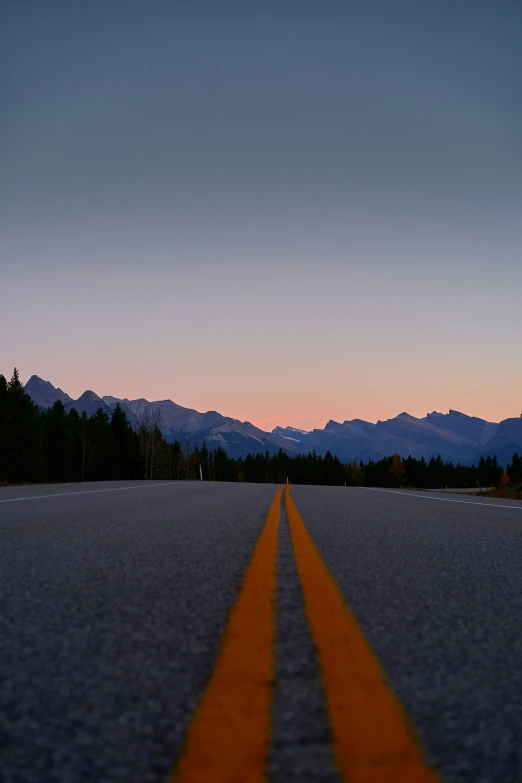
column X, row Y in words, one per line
column 373, row 741
column 228, row 739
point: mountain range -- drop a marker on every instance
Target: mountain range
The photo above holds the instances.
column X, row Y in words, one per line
column 455, row 436
column 238, row 438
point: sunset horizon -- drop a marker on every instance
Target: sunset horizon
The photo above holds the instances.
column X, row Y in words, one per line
column 305, row 420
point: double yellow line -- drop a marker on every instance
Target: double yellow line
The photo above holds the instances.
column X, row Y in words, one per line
column 229, row 737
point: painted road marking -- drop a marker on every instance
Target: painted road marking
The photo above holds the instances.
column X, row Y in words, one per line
column 228, row 739
column 373, row 741
column 443, row 500
column 85, row 492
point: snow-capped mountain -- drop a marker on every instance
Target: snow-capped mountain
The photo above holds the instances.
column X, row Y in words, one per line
column 291, row 433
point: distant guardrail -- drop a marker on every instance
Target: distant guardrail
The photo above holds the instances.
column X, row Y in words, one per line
column 460, row 490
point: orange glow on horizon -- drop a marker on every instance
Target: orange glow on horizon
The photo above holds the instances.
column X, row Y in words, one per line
column 275, row 407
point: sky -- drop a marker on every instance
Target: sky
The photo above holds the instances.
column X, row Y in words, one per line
column 287, row 212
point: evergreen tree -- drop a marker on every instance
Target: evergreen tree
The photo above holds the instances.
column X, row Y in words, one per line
column 126, row 459
column 100, row 435
column 514, row 469
column 85, row 446
column 18, row 431
column 58, row 444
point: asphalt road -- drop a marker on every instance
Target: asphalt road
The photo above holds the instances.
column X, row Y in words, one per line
column 437, row 587
column 114, row 600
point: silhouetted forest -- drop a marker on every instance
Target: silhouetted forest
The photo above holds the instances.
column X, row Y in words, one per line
column 59, row 445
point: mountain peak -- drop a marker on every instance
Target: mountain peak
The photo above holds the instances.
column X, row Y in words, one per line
column 35, row 380
column 89, row 395
column 43, row 393
column 90, row 402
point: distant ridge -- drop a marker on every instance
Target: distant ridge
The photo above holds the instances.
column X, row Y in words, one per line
column 454, row 436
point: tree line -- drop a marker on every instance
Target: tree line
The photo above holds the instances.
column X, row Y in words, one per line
column 60, row 445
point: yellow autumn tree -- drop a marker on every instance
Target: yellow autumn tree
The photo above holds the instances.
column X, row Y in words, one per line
column 354, row 474
column 397, row 469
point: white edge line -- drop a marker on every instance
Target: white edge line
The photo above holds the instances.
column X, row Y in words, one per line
column 442, row 500
column 83, row 492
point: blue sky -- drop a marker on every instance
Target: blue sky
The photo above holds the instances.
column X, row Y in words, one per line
column 287, row 212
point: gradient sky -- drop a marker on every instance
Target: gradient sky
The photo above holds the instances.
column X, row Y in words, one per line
column 286, row 212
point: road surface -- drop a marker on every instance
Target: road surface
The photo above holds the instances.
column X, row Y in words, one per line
column 138, row 640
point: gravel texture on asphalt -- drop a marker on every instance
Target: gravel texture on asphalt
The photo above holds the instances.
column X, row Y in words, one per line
column 302, row 742
column 437, row 588
column 113, row 602
column 113, row 605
